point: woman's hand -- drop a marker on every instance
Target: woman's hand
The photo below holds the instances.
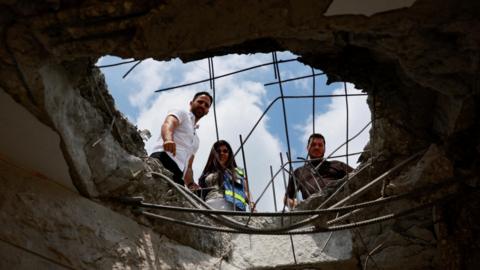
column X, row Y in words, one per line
column 193, row 186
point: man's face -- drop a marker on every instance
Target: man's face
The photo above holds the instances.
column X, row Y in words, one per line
column 316, row 148
column 200, row 106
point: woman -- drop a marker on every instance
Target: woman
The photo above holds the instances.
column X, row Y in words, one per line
column 223, row 180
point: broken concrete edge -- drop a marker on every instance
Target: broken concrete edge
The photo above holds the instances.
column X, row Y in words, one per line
column 104, row 164
column 106, row 168
column 98, row 161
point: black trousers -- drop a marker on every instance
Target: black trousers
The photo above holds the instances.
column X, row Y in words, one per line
column 170, row 165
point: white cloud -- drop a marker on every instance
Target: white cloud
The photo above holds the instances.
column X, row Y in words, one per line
column 148, row 75
column 332, row 123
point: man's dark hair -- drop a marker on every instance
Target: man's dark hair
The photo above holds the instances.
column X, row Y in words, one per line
column 315, row 136
column 201, row 94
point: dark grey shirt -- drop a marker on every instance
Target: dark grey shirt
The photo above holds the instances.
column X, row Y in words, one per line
column 310, row 181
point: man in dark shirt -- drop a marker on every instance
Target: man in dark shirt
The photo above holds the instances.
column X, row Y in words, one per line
column 317, row 174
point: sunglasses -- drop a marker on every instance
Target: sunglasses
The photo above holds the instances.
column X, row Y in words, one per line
column 224, row 151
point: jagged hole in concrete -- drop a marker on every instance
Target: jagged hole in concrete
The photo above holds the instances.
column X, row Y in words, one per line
column 241, row 99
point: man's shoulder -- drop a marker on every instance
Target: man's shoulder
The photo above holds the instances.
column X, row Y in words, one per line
column 302, row 169
column 177, row 111
column 179, row 114
column 339, row 165
column 335, row 162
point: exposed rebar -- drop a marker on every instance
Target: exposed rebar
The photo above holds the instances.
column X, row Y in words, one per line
column 224, row 75
column 132, row 68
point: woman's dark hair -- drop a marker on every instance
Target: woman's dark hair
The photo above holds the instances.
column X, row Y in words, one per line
column 214, row 166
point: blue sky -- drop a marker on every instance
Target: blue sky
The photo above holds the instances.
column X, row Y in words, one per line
column 241, row 99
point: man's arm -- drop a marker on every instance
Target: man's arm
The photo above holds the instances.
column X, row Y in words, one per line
column 188, row 175
column 289, row 199
column 168, row 128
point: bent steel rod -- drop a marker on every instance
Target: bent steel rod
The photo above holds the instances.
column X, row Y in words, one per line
column 284, row 108
column 313, row 100
column 375, row 181
column 295, row 79
column 220, row 218
column 338, row 148
column 363, row 189
column 288, row 146
column 265, row 214
column 212, row 86
column 382, row 200
column 343, row 184
column 347, row 124
column 224, row 75
column 427, row 189
column 273, row 189
column 117, row 64
column 224, row 220
column 197, row 202
column 274, row 214
column 237, row 224
column 132, row 68
column 309, row 230
column 285, row 188
column 270, row 182
column 302, row 160
column 250, row 196
column 283, row 165
column 287, row 97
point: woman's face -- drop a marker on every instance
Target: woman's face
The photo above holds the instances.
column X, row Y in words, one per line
column 222, row 151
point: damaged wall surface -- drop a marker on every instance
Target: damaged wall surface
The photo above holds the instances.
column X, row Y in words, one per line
column 45, row 226
column 418, row 61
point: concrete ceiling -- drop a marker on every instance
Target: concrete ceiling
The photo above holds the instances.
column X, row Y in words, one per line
column 367, row 7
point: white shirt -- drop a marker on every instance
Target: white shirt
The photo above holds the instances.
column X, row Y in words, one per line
column 185, row 138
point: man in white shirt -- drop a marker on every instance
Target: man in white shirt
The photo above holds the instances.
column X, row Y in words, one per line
column 179, row 141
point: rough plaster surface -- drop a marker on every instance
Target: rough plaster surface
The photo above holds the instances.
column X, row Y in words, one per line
column 330, row 251
column 433, row 168
column 45, row 226
column 25, row 141
column 368, row 8
column 100, row 162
